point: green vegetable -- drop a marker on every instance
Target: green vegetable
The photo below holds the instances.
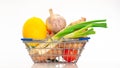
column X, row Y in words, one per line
column 80, row 33
column 72, row 28
column 83, row 31
column 75, row 31
column 88, row 32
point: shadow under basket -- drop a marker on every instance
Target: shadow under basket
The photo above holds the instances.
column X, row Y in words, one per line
column 65, row 51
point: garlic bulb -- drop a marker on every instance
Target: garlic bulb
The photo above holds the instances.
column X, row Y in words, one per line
column 55, row 22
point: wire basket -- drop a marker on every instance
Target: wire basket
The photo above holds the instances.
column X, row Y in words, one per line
column 68, row 50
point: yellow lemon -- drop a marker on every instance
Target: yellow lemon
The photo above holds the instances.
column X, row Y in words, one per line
column 34, row 28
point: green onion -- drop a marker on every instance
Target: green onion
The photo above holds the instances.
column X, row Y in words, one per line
column 80, row 33
column 72, row 28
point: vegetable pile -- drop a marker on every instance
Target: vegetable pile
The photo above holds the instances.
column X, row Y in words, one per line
column 55, row 29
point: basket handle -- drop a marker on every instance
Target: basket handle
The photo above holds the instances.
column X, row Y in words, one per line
column 85, row 38
column 27, row 39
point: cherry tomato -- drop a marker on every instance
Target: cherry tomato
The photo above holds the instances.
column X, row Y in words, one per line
column 49, row 31
column 70, row 55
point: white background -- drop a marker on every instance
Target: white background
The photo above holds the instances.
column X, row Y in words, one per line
column 102, row 51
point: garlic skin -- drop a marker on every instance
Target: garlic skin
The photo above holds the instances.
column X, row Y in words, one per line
column 55, row 22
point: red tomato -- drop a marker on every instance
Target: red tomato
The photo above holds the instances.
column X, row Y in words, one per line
column 70, row 55
column 49, row 31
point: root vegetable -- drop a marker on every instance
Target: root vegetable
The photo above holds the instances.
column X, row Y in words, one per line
column 79, row 21
column 55, row 22
column 39, row 58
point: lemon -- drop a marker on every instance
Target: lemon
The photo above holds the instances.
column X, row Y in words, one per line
column 34, row 28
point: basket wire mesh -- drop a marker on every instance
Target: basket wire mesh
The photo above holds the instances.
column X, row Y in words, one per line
column 54, row 54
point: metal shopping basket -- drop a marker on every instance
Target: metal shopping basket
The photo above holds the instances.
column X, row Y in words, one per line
column 54, row 52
